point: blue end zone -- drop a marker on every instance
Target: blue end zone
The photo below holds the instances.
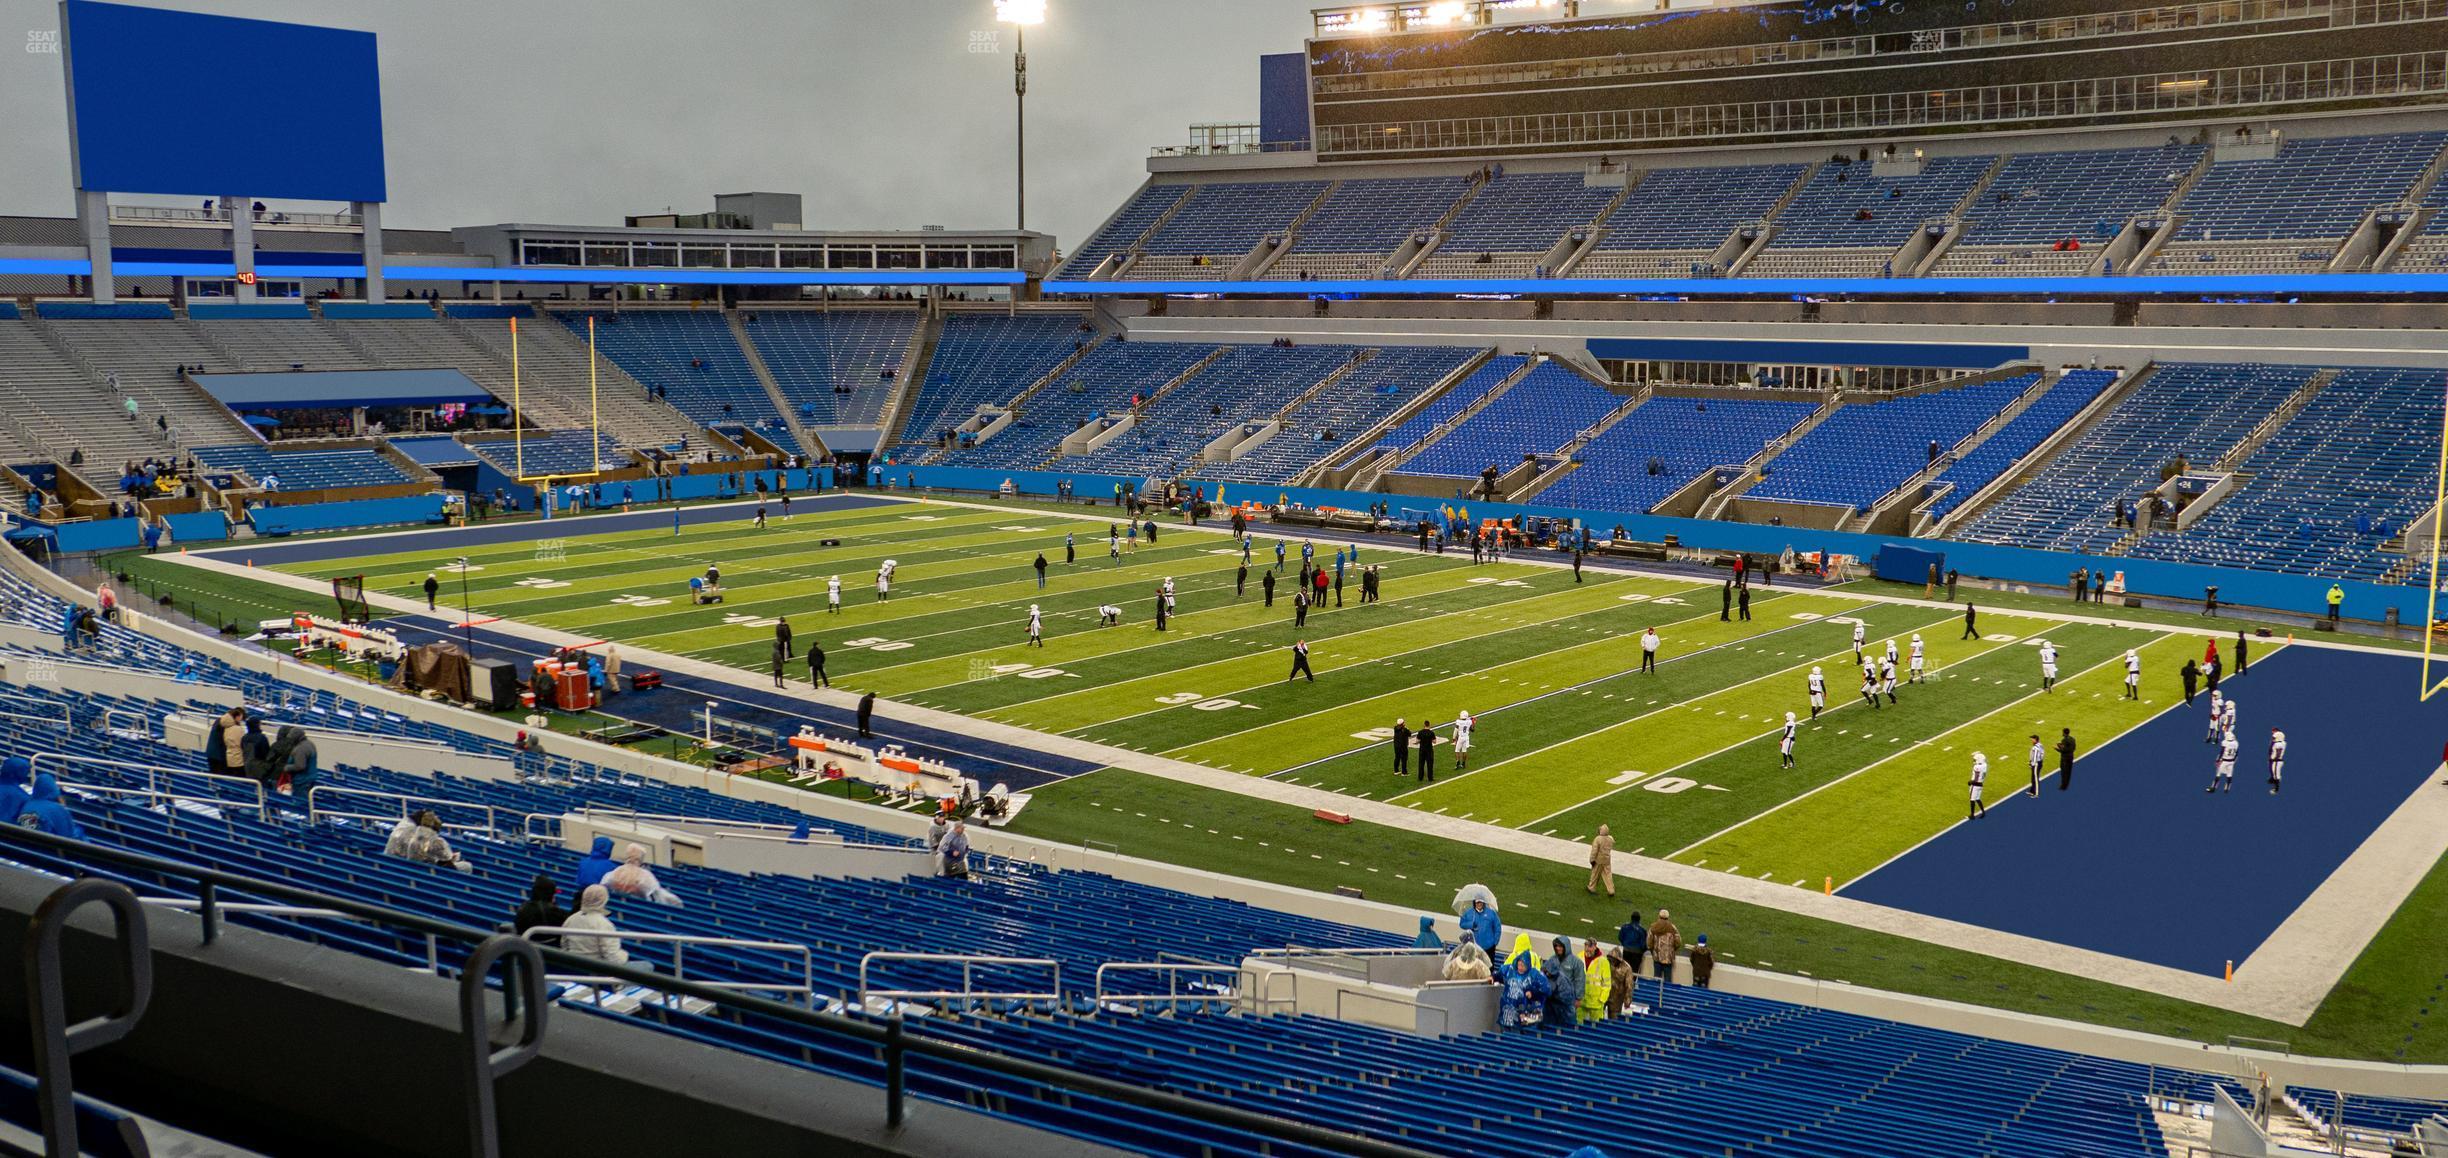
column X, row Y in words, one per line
column 2136, row 860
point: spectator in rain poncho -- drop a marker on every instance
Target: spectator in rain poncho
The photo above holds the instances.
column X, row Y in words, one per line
column 1599, row 987
column 634, row 879
column 1524, row 1003
column 954, row 854
column 593, row 917
column 14, row 773
column 290, row 762
column 1428, row 938
column 1468, row 962
column 1482, row 924
column 1566, row 980
column 595, row 866
column 47, row 812
column 419, row 838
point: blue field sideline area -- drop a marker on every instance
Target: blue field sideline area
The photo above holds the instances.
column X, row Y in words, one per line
column 2136, row 860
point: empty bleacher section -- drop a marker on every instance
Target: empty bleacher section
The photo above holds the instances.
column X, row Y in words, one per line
column 267, row 344
column 556, row 386
column 1360, row 226
column 2021, row 434
column 1512, row 222
column 559, row 452
column 2194, row 410
column 2329, row 486
column 687, row 357
column 1352, row 404
column 144, row 354
column 304, row 470
column 1684, row 437
column 2361, row 1114
column 2008, row 214
column 2427, row 251
column 1442, row 408
column 1173, row 428
column 1849, row 222
column 2040, row 200
column 1103, row 382
column 1124, row 231
column 52, row 403
column 2289, row 214
column 1539, row 414
column 832, row 365
column 1867, row 449
column 1209, row 234
column 985, row 359
column 1672, row 223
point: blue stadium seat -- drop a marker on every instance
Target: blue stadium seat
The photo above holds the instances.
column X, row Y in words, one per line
column 986, row 359
column 1865, row 450
column 690, row 355
column 1539, row 414
column 1686, row 436
column 305, row 470
column 832, row 365
column 2196, row 410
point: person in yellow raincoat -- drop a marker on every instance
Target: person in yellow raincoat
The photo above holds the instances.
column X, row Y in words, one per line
column 1600, row 983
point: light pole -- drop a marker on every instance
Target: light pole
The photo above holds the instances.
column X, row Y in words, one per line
column 1020, row 14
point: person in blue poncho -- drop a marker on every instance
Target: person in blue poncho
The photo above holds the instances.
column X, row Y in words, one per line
column 14, row 772
column 1565, row 979
column 1483, row 926
column 597, row 865
column 1524, row 1003
column 1428, row 938
column 47, row 813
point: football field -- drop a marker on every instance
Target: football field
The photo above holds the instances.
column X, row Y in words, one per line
column 1680, row 763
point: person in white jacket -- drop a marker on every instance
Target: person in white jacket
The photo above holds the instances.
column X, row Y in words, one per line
column 634, row 879
column 592, row 917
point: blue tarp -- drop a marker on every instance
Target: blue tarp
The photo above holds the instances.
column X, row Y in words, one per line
column 314, row 388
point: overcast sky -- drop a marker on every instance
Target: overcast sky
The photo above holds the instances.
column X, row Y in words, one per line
column 580, row 111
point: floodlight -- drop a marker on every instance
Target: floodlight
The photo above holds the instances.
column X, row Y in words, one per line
column 1020, row 11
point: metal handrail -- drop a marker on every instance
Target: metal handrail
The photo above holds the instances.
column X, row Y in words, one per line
column 888, row 1036
column 492, row 813
column 1444, row 1015
column 968, row 990
column 1172, row 974
column 680, row 943
column 1327, row 958
column 153, row 780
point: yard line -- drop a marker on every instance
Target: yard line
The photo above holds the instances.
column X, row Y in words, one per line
column 1414, row 595
column 1854, row 704
column 1409, row 690
column 1782, row 673
column 1353, row 665
column 1973, row 722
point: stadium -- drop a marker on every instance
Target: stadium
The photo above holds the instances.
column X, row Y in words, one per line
column 1599, row 578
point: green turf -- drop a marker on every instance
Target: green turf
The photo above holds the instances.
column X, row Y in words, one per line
column 1682, row 762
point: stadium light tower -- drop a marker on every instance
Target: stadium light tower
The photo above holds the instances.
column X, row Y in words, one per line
column 1020, row 14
